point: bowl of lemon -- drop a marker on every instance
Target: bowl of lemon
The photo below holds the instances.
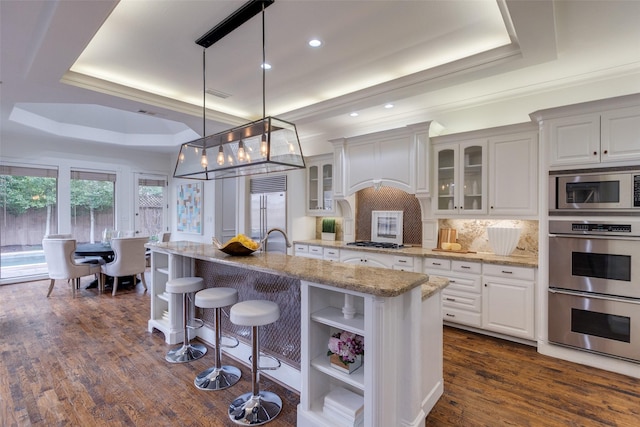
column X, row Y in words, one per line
column 237, row 245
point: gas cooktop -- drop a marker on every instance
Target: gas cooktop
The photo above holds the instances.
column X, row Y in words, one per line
column 369, row 244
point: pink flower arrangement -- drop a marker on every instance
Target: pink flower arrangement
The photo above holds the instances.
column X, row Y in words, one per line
column 346, row 345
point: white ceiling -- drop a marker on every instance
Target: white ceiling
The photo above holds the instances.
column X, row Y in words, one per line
column 129, row 72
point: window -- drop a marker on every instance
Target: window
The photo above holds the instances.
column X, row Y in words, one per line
column 92, row 204
column 151, row 205
column 29, row 199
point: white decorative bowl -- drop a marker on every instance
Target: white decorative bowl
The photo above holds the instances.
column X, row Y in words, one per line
column 503, row 240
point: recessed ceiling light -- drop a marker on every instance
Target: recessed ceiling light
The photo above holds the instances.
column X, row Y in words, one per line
column 354, row 114
column 266, row 66
column 315, row 43
column 389, row 105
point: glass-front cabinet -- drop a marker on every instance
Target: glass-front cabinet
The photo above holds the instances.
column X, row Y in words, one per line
column 461, row 177
column 320, row 185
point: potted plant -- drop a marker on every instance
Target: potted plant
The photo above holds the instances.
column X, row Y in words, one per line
column 328, row 229
column 345, row 351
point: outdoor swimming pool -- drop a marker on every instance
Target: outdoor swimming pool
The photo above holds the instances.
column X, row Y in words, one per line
column 14, row 259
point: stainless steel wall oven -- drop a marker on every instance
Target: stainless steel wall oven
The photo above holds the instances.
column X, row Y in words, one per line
column 594, row 286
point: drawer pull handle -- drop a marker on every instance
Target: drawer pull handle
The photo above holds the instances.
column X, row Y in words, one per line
column 465, row 266
column 450, row 315
column 450, row 299
column 507, row 272
column 402, row 260
column 435, row 263
column 452, row 281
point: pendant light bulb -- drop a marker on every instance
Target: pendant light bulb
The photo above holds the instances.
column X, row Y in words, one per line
column 292, row 149
column 204, row 162
column 264, row 148
column 241, row 153
column 220, row 159
column 181, row 157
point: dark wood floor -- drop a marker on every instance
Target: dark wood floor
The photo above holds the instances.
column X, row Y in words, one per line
column 89, row 361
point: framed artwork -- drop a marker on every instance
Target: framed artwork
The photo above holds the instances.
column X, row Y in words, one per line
column 189, row 207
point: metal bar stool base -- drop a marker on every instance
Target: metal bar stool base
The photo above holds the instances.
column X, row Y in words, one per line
column 217, row 378
column 186, row 353
column 255, row 410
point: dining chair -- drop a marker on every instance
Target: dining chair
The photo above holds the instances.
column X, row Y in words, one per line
column 128, row 260
column 59, row 256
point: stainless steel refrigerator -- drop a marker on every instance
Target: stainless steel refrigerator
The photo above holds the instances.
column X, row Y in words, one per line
column 269, row 210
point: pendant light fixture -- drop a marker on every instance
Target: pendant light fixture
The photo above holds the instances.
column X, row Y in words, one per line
column 262, row 146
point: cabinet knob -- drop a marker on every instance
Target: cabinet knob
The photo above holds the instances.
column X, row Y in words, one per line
column 605, row 151
column 491, row 207
column 485, row 285
column 595, row 153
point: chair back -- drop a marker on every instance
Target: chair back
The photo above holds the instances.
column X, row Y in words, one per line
column 59, row 254
column 164, row 237
column 129, row 257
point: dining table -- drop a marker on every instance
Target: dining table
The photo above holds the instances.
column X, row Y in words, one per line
column 95, row 249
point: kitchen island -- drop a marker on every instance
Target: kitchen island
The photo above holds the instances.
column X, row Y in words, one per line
column 398, row 314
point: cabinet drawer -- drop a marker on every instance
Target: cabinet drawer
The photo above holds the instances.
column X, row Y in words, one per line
column 406, row 261
column 437, row 263
column 466, row 267
column 460, row 316
column 331, row 254
column 316, row 251
column 462, row 301
column 465, row 284
column 495, row 270
column 301, row 249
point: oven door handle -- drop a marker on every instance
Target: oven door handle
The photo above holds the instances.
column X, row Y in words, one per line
column 595, row 296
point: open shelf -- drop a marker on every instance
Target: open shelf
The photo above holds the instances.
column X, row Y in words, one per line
column 355, row 379
column 333, row 316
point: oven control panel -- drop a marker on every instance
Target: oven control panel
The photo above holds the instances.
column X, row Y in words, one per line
column 601, row 228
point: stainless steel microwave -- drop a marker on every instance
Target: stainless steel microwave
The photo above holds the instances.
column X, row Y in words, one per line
column 616, row 191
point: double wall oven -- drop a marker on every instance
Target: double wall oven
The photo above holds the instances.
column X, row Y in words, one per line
column 594, row 285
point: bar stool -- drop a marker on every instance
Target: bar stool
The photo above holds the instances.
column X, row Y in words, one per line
column 187, row 352
column 217, row 377
column 257, row 407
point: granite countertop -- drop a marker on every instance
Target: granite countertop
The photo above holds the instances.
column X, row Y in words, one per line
column 370, row 280
column 486, row 257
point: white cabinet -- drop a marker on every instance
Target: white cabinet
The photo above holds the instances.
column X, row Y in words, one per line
column 603, row 137
column 513, row 175
column 320, row 185
column 508, row 300
column 308, row 251
column 370, row 259
column 574, row 140
column 406, row 263
column 461, row 177
column 331, row 254
column 397, row 158
column 388, row 161
column 620, row 135
column 462, row 299
column 491, row 172
column 488, row 297
column 166, row 309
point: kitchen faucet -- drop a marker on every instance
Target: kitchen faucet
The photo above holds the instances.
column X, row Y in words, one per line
column 266, row 236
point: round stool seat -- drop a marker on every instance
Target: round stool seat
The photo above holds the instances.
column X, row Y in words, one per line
column 216, row 297
column 254, row 313
column 184, row 285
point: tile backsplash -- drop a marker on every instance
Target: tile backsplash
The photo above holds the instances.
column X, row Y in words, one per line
column 388, row 199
